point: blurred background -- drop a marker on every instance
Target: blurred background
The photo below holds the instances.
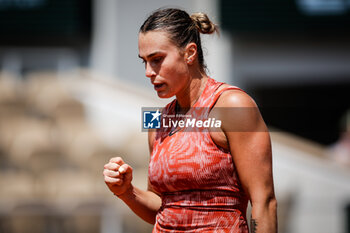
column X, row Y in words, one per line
column 72, row 88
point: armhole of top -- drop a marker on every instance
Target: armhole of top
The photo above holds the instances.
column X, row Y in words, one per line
column 217, row 94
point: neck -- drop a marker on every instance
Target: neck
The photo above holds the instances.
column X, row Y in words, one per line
column 189, row 96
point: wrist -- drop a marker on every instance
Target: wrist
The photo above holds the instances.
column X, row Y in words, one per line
column 127, row 194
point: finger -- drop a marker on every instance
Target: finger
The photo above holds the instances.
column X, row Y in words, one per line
column 112, row 174
column 112, row 166
column 113, row 181
column 125, row 168
column 117, row 160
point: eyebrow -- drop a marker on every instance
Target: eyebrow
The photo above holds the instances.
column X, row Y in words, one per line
column 151, row 55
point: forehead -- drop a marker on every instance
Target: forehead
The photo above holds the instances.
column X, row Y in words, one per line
column 152, row 41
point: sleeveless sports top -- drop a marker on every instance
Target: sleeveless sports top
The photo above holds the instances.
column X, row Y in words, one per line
column 197, row 180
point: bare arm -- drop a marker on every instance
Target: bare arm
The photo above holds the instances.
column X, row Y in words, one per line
column 118, row 177
column 143, row 203
column 249, row 143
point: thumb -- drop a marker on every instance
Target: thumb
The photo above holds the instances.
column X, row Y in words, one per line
column 126, row 170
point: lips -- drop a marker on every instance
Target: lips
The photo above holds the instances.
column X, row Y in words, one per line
column 158, row 86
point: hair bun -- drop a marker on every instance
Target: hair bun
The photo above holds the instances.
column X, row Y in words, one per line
column 203, row 23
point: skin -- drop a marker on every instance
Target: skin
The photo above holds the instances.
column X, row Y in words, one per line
column 176, row 71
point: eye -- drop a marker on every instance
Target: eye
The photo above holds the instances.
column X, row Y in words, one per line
column 157, row 60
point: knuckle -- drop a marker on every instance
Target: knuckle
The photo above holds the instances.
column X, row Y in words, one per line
column 116, row 160
column 112, row 159
column 119, row 160
column 115, row 167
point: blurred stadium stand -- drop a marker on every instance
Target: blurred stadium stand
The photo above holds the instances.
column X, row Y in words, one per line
column 52, row 154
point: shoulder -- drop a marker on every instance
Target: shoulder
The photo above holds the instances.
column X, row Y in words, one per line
column 232, row 96
column 237, row 111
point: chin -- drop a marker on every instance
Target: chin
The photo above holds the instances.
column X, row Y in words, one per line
column 164, row 95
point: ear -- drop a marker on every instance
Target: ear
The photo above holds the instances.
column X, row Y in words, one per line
column 191, row 53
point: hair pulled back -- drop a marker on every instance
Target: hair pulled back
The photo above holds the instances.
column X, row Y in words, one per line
column 181, row 28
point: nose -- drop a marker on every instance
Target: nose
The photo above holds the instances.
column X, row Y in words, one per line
column 149, row 71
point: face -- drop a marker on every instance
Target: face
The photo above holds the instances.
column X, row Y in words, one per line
column 165, row 63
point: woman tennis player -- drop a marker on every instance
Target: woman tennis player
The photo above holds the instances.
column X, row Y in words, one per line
column 200, row 180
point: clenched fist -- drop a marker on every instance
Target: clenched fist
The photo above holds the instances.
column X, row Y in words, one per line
column 118, row 176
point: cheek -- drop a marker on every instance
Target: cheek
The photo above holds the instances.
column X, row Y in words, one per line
column 174, row 70
column 175, row 73
column 175, row 77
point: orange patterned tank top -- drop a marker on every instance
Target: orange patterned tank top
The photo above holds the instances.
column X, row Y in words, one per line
column 197, row 180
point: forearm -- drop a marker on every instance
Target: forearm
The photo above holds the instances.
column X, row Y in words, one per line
column 264, row 217
column 143, row 203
